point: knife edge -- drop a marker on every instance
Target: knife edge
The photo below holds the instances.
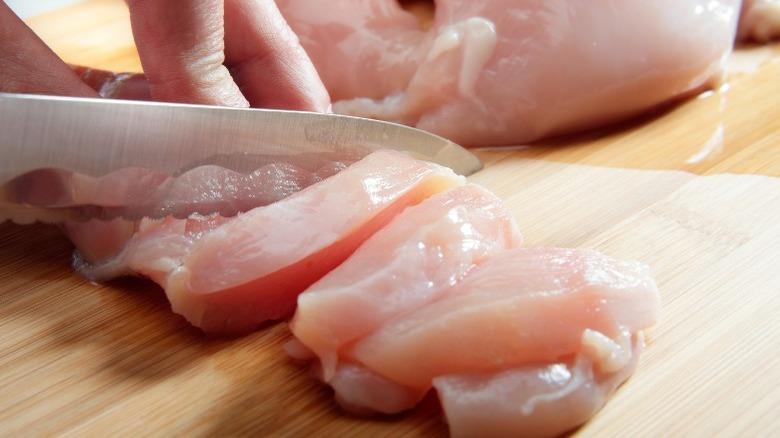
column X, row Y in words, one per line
column 95, row 137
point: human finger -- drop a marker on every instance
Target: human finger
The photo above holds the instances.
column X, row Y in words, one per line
column 266, row 59
column 28, row 65
column 181, row 46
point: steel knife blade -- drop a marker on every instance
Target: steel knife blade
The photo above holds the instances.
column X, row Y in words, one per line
column 52, row 138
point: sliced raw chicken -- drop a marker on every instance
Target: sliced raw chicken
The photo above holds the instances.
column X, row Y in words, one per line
column 522, row 306
column 508, row 71
column 231, row 274
column 408, row 264
column 138, row 192
column 131, row 192
column 511, row 320
column 413, row 280
column 538, row 399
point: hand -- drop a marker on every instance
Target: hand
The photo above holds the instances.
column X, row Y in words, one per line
column 27, row 65
column 216, row 52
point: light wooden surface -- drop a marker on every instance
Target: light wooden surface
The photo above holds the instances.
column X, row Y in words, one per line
column 692, row 190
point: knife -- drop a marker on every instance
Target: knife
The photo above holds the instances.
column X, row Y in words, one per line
column 51, row 144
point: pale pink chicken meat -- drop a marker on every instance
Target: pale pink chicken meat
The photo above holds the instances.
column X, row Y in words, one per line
column 413, row 280
column 136, row 192
column 382, row 334
column 524, row 305
column 131, row 192
column 443, row 238
column 508, row 71
column 230, row 275
column 532, row 400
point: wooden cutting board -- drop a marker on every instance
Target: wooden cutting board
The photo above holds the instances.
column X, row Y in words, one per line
column 691, row 190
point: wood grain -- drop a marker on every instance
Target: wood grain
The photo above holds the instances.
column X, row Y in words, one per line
column 690, row 189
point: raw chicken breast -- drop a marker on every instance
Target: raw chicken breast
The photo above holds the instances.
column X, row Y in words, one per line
column 533, row 400
column 131, row 192
column 229, row 275
column 509, row 71
column 360, row 47
column 135, row 192
column 525, row 305
column 382, row 340
column 413, row 280
column 421, row 253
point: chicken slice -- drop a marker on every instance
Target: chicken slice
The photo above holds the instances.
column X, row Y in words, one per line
column 534, row 400
column 420, row 254
column 230, row 275
column 525, row 305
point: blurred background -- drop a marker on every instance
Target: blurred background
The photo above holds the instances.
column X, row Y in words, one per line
column 30, row 8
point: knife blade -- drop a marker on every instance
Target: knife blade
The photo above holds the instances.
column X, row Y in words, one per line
column 51, row 139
